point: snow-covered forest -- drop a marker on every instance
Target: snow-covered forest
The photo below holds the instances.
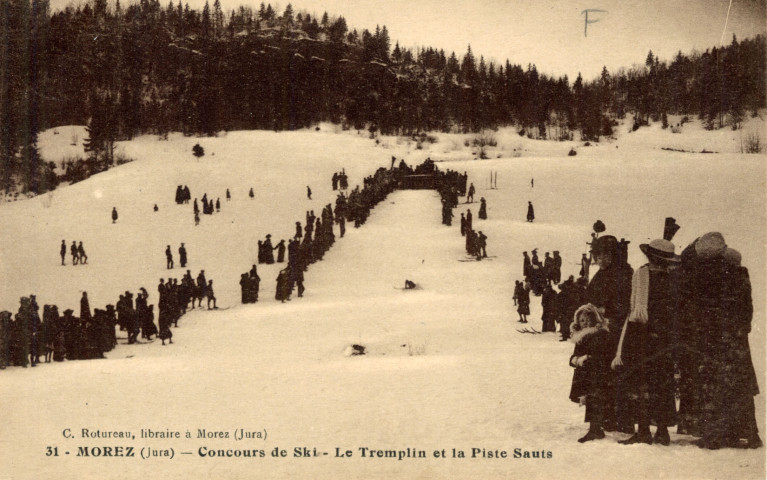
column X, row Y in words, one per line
column 98, row 63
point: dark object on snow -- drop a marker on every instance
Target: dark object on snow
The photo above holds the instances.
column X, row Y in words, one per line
column 358, row 350
column 409, row 285
column 114, row 214
column 572, row 153
column 155, row 207
column 198, row 150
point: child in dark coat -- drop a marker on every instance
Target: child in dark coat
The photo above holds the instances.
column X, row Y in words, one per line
column 591, row 360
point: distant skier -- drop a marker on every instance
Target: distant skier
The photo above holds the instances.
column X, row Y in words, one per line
column 532, row 183
column 470, row 194
column 228, row 195
column 530, row 212
column 308, row 192
column 63, row 252
column 81, row 256
column 251, row 194
column 182, row 255
column 114, row 214
column 168, row 258
column 155, row 207
column 218, row 205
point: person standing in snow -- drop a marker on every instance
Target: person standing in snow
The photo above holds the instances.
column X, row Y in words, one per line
column 251, row 194
column 308, row 192
column 283, row 290
column 63, row 251
column 182, row 255
column 470, row 194
column 481, row 244
column 210, row 295
column 280, row 247
column 73, row 251
column 82, row 257
column 114, row 214
column 228, row 195
column 218, row 205
column 530, row 212
column 482, row 209
column 268, row 250
column 523, row 301
column 591, row 361
column 556, row 272
column 255, row 283
column 245, row 288
column 168, row 258
column 644, row 354
column 610, row 290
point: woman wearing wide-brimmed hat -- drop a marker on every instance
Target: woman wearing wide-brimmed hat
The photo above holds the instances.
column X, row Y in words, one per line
column 644, row 357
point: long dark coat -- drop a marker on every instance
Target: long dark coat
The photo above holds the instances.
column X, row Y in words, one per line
column 549, row 316
column 483, row 210
column 592, row 378
column 718, row 313
column 649, row 349
column 523, row 301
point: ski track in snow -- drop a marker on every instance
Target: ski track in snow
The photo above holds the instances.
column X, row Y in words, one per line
column 445, row 366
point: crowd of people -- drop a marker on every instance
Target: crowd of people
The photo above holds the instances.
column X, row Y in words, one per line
column 26, row 337
column 676, row 327
column 310, row 243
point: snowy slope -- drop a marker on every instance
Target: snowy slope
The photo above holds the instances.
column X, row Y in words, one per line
column 446, row 367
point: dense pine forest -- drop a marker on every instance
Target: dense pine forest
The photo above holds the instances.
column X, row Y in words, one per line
column 147, row 68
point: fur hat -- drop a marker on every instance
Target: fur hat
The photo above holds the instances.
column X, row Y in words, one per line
column 660, row 249
column 710, row 245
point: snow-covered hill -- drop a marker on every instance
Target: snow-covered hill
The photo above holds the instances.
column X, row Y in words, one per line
column 445, row 366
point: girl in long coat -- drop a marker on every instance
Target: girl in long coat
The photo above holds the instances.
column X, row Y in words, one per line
column 591, row 360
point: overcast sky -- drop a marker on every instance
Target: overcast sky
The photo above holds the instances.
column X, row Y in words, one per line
column 548, row 33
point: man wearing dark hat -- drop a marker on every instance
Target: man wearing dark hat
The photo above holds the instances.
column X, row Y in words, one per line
column 610, row 291
column 644, row 358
